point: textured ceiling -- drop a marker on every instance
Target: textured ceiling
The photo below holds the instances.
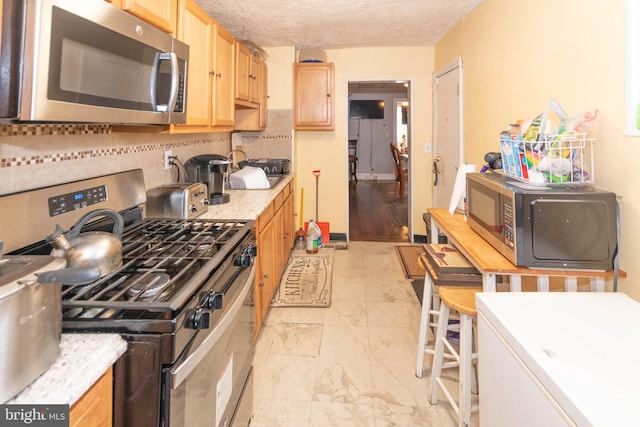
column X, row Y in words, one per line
column 331, row 24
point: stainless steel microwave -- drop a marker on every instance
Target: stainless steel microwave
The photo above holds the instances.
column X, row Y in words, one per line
column 88, row 61
column 557, row 227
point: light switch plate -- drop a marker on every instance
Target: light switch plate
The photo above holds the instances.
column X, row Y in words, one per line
column 427, row 148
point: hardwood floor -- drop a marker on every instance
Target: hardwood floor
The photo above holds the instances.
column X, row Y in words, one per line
column 375, row 212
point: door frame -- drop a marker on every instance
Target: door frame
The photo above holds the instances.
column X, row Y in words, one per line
column 408, row 97
column 457, row 63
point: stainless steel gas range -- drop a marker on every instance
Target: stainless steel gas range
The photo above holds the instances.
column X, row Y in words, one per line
column 182, row 299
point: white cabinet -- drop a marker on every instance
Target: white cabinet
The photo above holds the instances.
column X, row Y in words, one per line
column 558, row 358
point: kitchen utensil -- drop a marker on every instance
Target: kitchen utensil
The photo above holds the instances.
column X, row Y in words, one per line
column 68, row 276
column 182, row 200
column 324, row 226
column 90, row 249
column 212, row 170
column 249, row 178
column 31, row 321
column 270, row 166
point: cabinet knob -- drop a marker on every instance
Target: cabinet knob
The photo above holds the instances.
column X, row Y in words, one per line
column 219, row 75
column 212, row 73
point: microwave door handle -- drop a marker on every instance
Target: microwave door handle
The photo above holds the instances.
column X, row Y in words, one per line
column 175, row 80
column 173, row 95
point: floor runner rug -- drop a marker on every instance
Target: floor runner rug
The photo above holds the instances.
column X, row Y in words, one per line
column 409, row 260
column 306, row 281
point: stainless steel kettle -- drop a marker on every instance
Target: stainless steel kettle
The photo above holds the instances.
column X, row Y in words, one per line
column 93, row 248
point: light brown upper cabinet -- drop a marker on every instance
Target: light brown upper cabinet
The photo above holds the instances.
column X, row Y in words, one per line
column 161, row 13
column 224, row 67
column 211, row 77
column 248, row 68
column 243, row 73
column 313, row 93
column 251, row 90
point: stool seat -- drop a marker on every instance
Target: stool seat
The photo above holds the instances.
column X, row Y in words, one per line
column 460, row 298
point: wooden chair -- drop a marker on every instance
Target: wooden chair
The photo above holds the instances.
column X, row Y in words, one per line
column 400, row 171
column 353, row 158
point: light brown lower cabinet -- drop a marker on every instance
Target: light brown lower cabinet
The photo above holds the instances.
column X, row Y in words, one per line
column 274, row 241
column 95, row 407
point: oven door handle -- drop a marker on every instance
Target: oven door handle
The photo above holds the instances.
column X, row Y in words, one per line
column 183, row 370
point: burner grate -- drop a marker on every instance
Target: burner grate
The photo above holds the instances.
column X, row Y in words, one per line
column 164, row 263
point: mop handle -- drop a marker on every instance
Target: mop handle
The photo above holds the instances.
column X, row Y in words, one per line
column 316, row 173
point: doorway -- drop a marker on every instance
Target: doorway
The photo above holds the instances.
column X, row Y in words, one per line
column 378, row 116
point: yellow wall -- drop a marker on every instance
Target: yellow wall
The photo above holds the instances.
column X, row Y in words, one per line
column 517, row 55
column 327, row 150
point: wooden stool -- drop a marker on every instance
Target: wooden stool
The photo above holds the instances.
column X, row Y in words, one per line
column 430, row 310
column 462, row 300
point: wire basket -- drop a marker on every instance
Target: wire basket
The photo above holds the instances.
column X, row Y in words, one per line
column 565, row 159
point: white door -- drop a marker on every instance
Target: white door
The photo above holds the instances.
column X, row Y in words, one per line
column 447, row 146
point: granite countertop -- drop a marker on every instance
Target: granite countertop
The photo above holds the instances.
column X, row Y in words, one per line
column 245, row 204
column 82, row 361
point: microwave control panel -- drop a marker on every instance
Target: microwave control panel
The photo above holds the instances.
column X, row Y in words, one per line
column 507, row 224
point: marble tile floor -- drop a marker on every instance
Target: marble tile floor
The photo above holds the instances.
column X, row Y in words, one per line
column 352, row 364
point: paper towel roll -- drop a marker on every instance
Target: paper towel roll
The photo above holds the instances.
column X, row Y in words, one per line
column 460, row 187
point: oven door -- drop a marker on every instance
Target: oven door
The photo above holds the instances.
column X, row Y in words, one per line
column 92, row 62
column 212, row 386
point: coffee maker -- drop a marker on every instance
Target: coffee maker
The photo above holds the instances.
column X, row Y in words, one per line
column 210, row 169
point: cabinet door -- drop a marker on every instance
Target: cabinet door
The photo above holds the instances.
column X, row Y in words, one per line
column 196, row 29
column 243, row 71
column 267, row 282
column 254, row 76
column 313, row 96
column 264, row 95
column 278, row 220
column 289, row 231
column 161, row 13
column 224, row 68
column 94, row 408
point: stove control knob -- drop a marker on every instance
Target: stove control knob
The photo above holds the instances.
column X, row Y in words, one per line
column 212, row 300
column 252, row 249
column 243, row 260
column 199, row 319
column 193, row 208
column 204, row 202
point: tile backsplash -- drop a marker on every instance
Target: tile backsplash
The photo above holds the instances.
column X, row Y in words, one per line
column 34, row 156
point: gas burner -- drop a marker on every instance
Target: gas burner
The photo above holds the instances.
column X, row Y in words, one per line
column 151, row 286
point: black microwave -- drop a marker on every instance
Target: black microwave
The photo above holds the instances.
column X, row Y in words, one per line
column 556, row 227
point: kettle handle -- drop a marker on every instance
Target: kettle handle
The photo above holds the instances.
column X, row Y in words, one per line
column 118, row 222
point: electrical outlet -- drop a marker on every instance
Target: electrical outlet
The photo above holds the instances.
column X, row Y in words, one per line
column 167, row 159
